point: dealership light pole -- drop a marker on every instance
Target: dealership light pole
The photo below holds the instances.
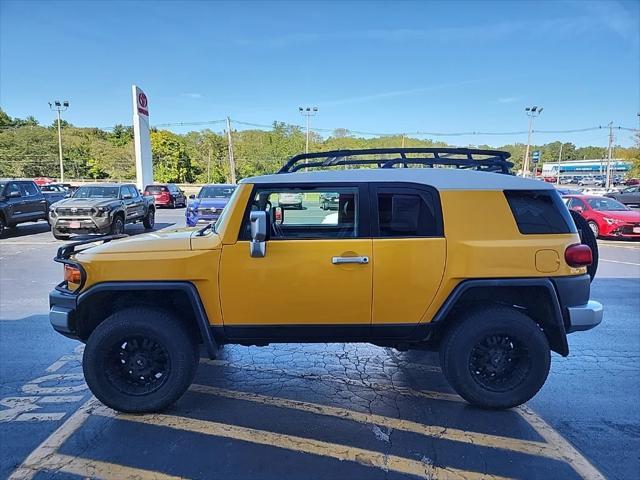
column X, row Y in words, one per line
column 308, row 112
column 59, row 107
column 532, row 112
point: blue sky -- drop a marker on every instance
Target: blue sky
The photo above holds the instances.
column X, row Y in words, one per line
column 368, row 66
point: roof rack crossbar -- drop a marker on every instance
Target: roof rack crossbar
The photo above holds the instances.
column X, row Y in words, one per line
column 492, row 160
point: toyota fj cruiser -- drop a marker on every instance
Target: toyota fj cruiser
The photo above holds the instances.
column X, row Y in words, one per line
column 434, row 248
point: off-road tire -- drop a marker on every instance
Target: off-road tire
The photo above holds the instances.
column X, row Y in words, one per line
column 159, row 327
column 149, row 220
column 471, row 330
column 587, row 237
column 59, row 236
column 117, row 225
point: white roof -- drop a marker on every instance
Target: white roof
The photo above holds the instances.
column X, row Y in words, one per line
column 440, row 178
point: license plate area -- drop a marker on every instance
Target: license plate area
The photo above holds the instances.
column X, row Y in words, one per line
column 636, row 229
column 74, row 224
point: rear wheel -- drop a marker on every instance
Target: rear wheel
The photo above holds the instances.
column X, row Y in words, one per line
column 150, row 219
column 3, row 225
column 496, row 357
column 140, row 360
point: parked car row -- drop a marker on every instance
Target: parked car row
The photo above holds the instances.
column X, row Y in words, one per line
column 606, row 216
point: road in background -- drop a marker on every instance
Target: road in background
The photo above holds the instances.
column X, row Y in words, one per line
column 297, row 396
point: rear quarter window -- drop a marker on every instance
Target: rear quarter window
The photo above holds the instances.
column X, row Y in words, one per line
column 539, row 212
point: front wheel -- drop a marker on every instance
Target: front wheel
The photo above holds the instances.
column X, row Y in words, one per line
column 149, row 220
column 59, row 236
column 594, row 228
column 140, row 360
column 496, row 357
column 117, row 226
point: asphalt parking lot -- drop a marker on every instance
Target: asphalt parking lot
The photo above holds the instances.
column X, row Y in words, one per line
column 314, row 411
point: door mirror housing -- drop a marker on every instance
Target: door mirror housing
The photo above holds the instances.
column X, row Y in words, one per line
column 14, row 194
column 192, row 197
column 127, row 196
column 259, row 222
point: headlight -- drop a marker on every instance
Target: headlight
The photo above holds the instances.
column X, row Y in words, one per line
column 191, row 209
column 611, row 221
column 100, row 211
column 52, row 212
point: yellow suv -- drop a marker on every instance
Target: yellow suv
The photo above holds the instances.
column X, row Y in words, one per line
column 434, row 248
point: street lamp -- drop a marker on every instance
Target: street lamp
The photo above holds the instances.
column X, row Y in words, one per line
column 532, row 112
column 307, row 112
column 59, row 107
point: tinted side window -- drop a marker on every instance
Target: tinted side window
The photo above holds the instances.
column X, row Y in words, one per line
column 406, row 213
column 134, row 191
column 539, row 212
column 28, row 189
column 12, row 187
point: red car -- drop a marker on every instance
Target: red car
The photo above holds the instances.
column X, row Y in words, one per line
column 607, row 217
column 166, row 195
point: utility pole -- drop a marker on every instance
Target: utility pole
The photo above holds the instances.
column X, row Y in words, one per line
column 232, row 162
column 559, row 160
column 209, row 166
column 532, row 112
column 59, row 107
column 607, row 184
column 308, row 112
column 403, row 135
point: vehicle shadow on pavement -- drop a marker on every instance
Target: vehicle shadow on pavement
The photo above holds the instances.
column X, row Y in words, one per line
column 25, row 229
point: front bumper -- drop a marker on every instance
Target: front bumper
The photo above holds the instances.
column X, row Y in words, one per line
column 194, row 218
column 584, row 317
column 82, row 225
column 62, row 308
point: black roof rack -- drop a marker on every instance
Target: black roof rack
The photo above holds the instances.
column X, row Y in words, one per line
column 471, row 158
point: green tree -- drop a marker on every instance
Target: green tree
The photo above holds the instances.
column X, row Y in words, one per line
column 171, row 163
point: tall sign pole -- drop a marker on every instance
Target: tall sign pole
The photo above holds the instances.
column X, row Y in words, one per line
column 142, row 138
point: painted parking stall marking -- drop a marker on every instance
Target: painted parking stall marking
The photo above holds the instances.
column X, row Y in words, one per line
column 389, row 455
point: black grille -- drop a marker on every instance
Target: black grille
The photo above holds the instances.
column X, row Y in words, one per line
column 74, row 212
column 628, row 229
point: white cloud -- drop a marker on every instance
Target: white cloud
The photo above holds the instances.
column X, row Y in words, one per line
column 194, row 96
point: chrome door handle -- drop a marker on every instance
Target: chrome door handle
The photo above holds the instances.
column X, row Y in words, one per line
column 341, row 260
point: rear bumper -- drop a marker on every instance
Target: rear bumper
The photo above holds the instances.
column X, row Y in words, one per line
column 585, row 317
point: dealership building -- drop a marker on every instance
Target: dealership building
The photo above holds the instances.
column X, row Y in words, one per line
column 585, row 167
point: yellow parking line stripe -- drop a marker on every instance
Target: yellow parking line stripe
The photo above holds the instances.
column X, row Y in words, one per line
column 42, row 454
column 96, row 469
column 300, row 444
column 474, row 438
column 568, row 453
column 432, row 395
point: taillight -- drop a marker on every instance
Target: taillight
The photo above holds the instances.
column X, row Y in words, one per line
column 578, row 255
column 72, row 274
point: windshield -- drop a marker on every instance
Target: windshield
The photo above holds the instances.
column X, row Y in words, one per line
column 606, row 204
column 156, row 189
column 216, row 192
column 223, row 216
column 96, row 192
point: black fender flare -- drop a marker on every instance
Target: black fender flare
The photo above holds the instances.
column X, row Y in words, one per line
column 186, row 287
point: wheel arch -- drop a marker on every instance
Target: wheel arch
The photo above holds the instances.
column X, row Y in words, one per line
column 182, row 298
column 526, row 295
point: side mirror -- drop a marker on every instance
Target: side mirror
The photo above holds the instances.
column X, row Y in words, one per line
column 67, row 195
column 14, row 194
column 127, row 196
column 579, row 209
column 192, row 197
column 258, row 244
